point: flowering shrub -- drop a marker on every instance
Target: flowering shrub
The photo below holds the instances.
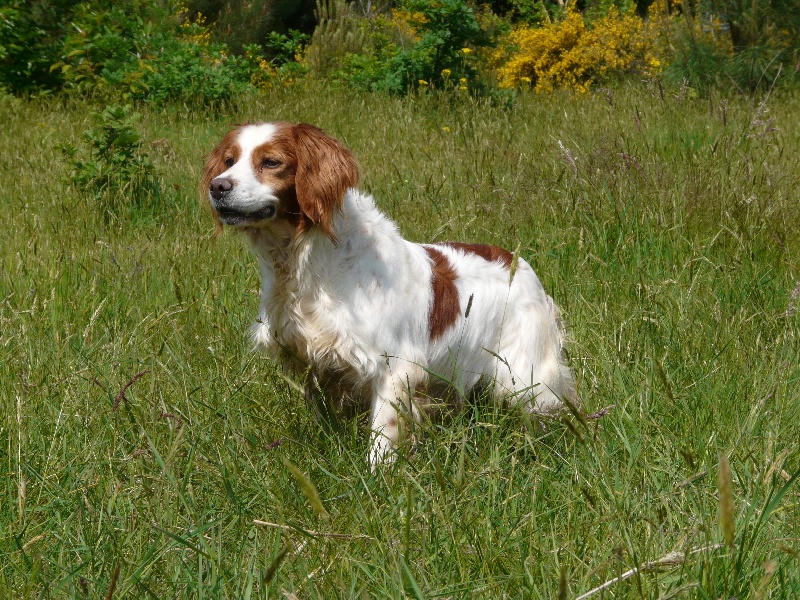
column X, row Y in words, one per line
column 571, row 54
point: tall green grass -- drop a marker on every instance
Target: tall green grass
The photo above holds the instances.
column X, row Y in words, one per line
column 140, row 437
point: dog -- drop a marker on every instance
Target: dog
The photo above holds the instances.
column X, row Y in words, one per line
column 374, row 321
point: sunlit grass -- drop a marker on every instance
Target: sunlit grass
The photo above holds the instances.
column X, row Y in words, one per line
column 666, row 229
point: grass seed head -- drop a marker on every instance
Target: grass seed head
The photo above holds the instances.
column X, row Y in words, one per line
column 309, row 490
column 769, row 571
column 512, row 270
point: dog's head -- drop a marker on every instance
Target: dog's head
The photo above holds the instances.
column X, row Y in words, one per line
column 278, row 174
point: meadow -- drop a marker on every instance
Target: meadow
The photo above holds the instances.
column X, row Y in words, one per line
column 144, row 445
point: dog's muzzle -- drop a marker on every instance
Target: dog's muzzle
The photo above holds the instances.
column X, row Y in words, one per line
column 219, row 192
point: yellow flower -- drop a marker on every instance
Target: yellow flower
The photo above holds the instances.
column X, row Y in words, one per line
column 445, row 73
column 463, row 81
column 462, row 88
column 572, row 54
column 465, row 51
column 423, row 82
column 446, row 129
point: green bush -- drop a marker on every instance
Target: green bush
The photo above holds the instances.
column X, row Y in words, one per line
column 448, row 27
column 420, row 43
column 154, row 55
column 104, row 44
column 145, row 50
column 150, row 50
column 111, row 167
column 192, row 73
column 30, row 37
column 283, row 48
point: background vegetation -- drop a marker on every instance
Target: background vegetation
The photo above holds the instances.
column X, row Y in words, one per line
column 141, row 439
column 211, row 50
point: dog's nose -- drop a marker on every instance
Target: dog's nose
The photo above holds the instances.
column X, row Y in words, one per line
column 220, row 186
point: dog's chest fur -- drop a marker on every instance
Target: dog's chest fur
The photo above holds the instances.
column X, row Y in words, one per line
column 305, row 312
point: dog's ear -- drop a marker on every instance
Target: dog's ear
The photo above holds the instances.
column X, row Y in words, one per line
column 325, row 170
column 215, row 165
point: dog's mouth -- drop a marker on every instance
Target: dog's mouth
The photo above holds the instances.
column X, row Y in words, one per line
column 231, row 216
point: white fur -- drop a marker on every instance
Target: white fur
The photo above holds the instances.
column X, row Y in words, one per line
column 360, row 308
column 250, row 195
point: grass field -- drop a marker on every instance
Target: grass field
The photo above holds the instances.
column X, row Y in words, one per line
column 140, row 437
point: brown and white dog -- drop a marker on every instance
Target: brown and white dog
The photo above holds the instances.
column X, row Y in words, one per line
column 373, row 318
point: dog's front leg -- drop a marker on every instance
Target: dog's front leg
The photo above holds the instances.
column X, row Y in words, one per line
column 393, row 410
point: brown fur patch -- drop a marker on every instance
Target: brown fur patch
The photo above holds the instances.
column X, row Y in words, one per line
column 445, row 307
column 325, row 170
column 281, row 179
column 485, row 251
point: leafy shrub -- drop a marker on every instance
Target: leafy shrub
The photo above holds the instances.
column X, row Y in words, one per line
column 30, row 33
column 420, row 43
column 571, row 54
column 143, row 50
column 191, row 73
column 445, row 27
column 107, row 40
column 111, row 167
column 285, row 48
column 155, row 57
column 192, row 68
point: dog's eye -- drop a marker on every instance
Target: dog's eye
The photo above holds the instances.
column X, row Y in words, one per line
column 229, row 162
column 270, row 163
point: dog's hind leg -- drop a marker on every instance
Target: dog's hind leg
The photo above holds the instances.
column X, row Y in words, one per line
column 531, row 370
